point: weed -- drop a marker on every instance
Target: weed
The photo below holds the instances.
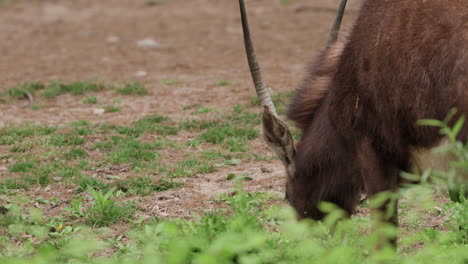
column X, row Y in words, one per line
column 75, row 153
column 217, row 135
column 128, row 150
column 168, row 81
column 198, row 124
column 85, row 182
column 113, row 109
column 191, row 166
column 152, row 2
column 149, row 124
column 13, row 134
column 223, row 83
column 133, row 88
column 90, row 100
column 145, row 186
column 55, row 89
column 24, row 166
column 203, row 110
column 104, row 211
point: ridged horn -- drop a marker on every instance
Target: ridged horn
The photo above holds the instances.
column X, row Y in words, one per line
column 275, row 132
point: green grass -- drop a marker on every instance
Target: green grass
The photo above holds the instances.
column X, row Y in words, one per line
column 103, row 211
column 190, row 167
column 75, row 154
column 223, row 83
column 150, row 124
column 133, row 89
column 145, row 186
column 114, row 172
column 10, row 135
column 90, row 100
column 22, row 166
column 113, row 109
column 55, row 89
column 131, row 151
column 168, row 81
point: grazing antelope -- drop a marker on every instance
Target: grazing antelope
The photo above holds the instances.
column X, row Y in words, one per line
column 358, row 107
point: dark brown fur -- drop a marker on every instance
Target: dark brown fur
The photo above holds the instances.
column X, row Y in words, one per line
column 405, row 60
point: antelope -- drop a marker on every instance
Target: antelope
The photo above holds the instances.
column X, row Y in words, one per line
column 359, row 104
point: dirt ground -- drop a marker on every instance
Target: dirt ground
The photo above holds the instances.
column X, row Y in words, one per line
column 198, row 43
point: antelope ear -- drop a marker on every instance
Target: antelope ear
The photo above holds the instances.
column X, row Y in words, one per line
column 279, row 138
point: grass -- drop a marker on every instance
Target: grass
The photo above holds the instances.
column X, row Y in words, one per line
column 150, row 124
column 131, row 151
column 107, row 212
column 113, row 109
column 56, row 88
column 90, row 100
column 134, row 88
column 145, row 186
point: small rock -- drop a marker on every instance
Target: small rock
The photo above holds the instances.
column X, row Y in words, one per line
column 113, row 39
column 57, row 178
column 148, row 42
column 162, row 214
column 98, row 111
column 141, row 74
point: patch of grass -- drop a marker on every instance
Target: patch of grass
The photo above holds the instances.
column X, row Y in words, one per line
column 36, row 106
column 143, row 185
column 149, row 124
column 191, row 166
column 90, row 100
column 75, row 154
column 168, row 81
column 82, row 127
column 218, row 135
column 23, row 166
column 223, row 83
column 86, row 182
column 18, row 149
column 104, row 211
column 113, row 109
column 12, row 184
column 13, row 134
column 134, row 88
column 203, row 110
column 59, row 140
column 55, row 89
column 198, row 124
column 131, row 151
column 152, row 2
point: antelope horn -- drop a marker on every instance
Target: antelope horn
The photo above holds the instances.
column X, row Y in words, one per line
column 337, row 24
column 275, row 132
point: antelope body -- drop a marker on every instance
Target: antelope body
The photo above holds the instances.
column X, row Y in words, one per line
column 358, row 107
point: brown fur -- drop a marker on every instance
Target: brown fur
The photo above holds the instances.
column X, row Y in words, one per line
column 405, row 60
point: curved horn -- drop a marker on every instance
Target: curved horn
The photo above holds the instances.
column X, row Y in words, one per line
column 337, row 24
column 260, row 86
column 275, row 132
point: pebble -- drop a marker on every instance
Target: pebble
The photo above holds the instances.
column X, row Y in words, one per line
column 141, row 74
column 98, row 111
column 148, row 42
column 113, row 39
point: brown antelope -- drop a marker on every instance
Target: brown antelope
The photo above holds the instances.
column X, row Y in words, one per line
column 358, row 107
